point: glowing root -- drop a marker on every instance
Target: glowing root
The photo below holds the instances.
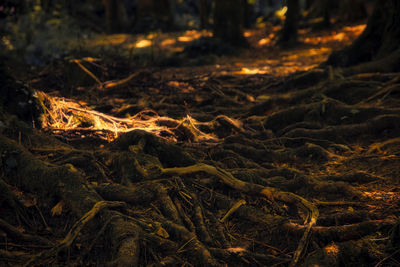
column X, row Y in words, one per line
column 66, row 116
column 268, row 192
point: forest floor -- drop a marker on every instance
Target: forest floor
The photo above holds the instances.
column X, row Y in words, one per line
column 260, row 159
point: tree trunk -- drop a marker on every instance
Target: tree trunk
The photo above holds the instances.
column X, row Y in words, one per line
column 228, row 21
column 289, row 32
column 248, row 14
column 153, row 14
column 378, row 43
column 322, row 9
column 112, row 19
column 16, row 98
column 327, row 14
column 204, row 10
column 352, row 10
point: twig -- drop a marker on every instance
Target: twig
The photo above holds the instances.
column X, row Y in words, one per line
column 236, row 206
column 77, row 61
column 385, row 259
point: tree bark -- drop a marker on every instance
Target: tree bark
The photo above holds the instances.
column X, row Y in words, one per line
column 352, row 10
column 204, row 10
column 289, row 32
column 378, row 42
column 228, row 21
column 153, row 14
column 114, row 16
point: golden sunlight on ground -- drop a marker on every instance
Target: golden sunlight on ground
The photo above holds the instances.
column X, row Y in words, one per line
column 314, row 48
column 168, row 41
column 143, row 43
column 253, row 71
column 346, row 34
column 263, row 57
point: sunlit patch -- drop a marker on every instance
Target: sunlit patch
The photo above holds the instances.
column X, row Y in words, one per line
column 192, row 35
column 168, row 42
column 266, row 40
column 343, row 37
column 251, row 71
column 236, row 250
column 332, row 249
column 357, row 28
column 143, row 43
column 248, row 33
column 185, row 38
column 339, row 37
column 152, row 35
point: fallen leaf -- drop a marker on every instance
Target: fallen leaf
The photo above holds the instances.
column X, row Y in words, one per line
column 57, row 209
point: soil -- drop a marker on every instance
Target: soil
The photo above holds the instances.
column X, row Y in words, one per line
column 258, row 160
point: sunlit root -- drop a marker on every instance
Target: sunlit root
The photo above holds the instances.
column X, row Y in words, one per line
column 88, row 72
column 67, row 116
column 268, row 192
column 233, row 209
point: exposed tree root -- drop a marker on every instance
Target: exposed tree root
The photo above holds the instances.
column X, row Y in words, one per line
column 73, row 233
column 230, row 170
column 268, row 192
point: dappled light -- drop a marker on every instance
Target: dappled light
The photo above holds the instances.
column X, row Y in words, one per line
column 143, row 43
column 247, row 71
column 345, row 36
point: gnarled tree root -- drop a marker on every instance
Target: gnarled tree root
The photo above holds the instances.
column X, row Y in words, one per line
column 268, row 192
column 73, row 233
column 65, row 182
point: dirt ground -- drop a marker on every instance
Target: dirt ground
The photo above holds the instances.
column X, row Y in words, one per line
column 260, row 159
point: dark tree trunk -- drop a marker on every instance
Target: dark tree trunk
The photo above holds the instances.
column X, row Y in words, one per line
column 379, row 45
column 16, row 98
column 309, row 3
column 153, row 14
column 248, row 14
column 228, row 21
column 112, row 19
column 352, row 10
column 321, row 9
column 204, row 10
column 289, row 32
column 327, row 14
